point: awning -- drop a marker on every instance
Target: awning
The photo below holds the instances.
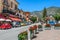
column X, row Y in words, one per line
column 8, row 20
column 11, row 15
column 2, row 16
column 1, row 19
column 15, row 19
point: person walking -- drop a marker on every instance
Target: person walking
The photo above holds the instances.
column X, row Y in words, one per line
column 52, row 22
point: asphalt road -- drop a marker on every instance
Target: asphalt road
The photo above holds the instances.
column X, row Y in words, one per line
column 12, row 34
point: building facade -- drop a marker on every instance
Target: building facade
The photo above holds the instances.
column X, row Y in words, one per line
column 8, row 6
column 27, row 15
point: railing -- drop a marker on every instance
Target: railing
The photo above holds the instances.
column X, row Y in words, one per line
column 26, row 28
column 12, row 34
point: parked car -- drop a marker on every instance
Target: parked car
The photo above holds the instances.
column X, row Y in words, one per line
column 5, row 26
column 23, row 24
column 28, row 23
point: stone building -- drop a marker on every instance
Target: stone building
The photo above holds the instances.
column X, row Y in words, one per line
column 8, row 6
column 27, row 15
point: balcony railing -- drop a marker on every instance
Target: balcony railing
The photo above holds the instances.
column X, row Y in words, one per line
column 5, row 2
column 5, row 10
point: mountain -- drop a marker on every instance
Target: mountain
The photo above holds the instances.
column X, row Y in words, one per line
column 38, row 13
column 53, row 10
column 50, row 11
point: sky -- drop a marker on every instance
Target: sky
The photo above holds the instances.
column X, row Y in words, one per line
column 37, row 5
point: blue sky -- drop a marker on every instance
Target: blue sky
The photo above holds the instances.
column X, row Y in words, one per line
column 37, row 5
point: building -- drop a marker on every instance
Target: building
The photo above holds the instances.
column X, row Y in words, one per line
column 27, row 15
column 21, row 12
column 9, row 6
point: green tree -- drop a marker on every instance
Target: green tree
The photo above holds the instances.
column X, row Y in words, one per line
column 33, row 19
column 57, row 17
column 44, row 13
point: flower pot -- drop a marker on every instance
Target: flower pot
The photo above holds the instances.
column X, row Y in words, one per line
column 57, row 25
column 36, row 26
column 48, row 25
column 22, row 36
column 32, row 28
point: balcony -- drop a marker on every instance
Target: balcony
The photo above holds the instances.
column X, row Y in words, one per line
column 5, row 10
column 5, row 2
column 11, row 11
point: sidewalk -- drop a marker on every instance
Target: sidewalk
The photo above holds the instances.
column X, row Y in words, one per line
column 48, row 35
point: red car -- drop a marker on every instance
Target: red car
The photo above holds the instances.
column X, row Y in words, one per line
column 5, row 26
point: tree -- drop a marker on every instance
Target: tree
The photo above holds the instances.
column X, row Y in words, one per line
column 57, row 17
column 44, row 13
column 33, row 19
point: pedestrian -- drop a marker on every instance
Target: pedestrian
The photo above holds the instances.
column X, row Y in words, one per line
column 52, row 23
column 13, row 23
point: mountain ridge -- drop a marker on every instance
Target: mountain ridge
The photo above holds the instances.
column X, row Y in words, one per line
column 50, row 11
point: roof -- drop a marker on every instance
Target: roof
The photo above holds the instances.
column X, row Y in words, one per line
column 26, row 12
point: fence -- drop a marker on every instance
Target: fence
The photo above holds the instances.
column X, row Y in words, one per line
column 12, row 34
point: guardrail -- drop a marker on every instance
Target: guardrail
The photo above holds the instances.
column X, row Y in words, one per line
column 26, row 28
column 12, row 34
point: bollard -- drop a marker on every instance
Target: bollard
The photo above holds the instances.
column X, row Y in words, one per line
column 43, row 26
column 28, row 34
column 37, row 29
column 52, row 27
column 34, row 33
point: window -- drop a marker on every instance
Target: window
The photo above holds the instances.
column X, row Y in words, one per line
column 21, row 16
column 15, row 7
column 11, row 4
column 5, row 2
column 5, row 9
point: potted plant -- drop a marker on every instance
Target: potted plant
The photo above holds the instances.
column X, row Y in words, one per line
column 22, row 36
column 57, row 25
column 47, row 25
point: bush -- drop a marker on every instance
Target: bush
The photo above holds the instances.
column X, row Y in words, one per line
column 33, row 19
column 57, row 17
column 40, row 26
column 22, row 36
